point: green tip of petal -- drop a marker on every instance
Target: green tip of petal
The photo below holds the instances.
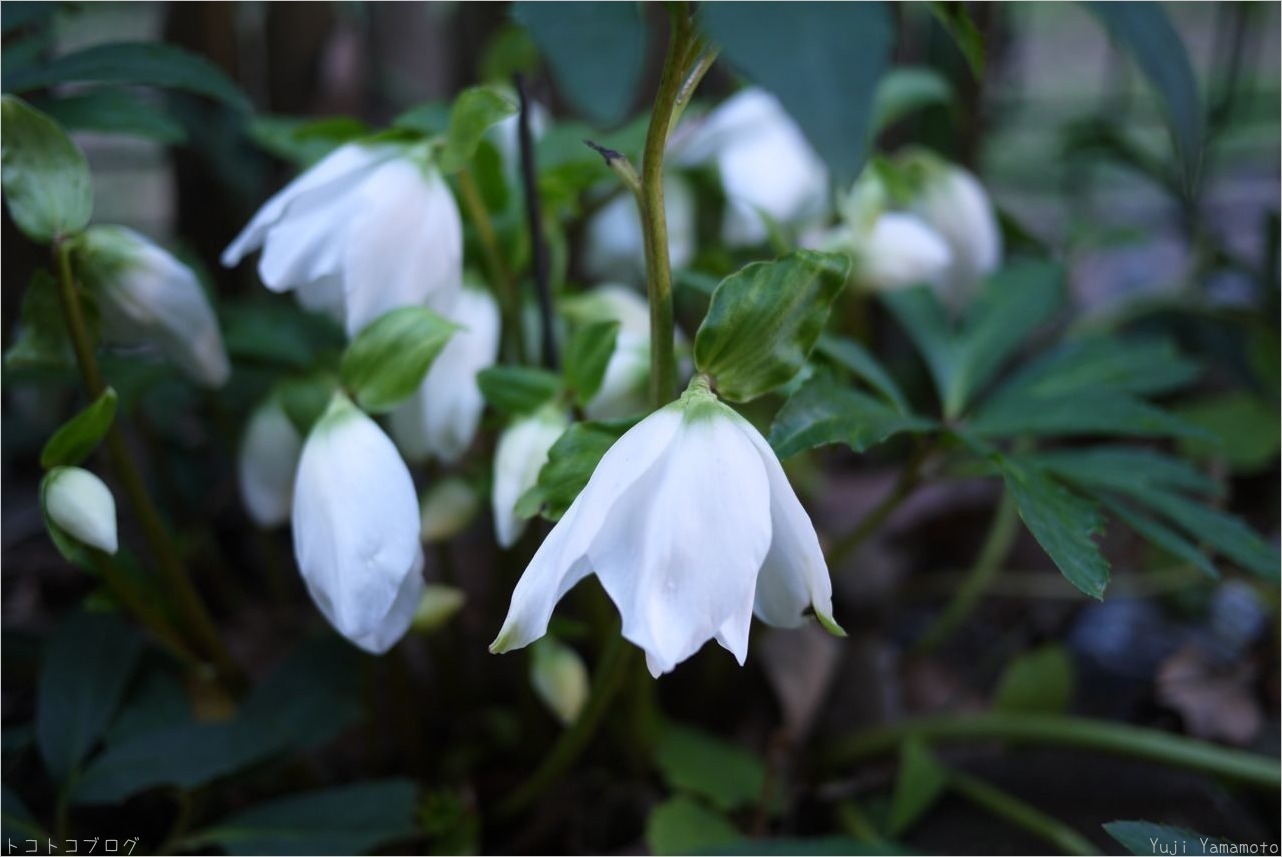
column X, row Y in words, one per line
column 830, row 625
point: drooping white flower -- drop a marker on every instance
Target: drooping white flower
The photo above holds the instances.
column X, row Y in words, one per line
column 954, row 203
column 368, row 229
column 148, row 297
column 765, row 162
column 898, row 251
column 81, row 505
column 623, row 386
column 439, row 420
column 521, row 452
column 267, row 463
column 615, row 247
column 560, row 678
column 356, row 528
column 691, row 526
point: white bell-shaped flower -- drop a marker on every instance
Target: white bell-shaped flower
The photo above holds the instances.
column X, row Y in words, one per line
column 898, row 251
column 267, row 463
column 356, row 528
column 521, row 452
column 691, row 526
column 955, row 204
column 440, row 419
column 81, row 505
column 148, row 297
column 615, row 246
column 368, row 229
column 766, row 165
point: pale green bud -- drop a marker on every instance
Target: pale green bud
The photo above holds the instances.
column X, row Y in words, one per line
column 559, row 678
column 81, row 505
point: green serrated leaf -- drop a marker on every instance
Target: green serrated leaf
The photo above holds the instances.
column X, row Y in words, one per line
column 586, row 356
column 1225, row 533
column 1141, row 367
column 79, row 436
column 474, row 111
column 824, row 411
column 595, row 51
column 388, row 359
column 681, row 825
column 1039, row 681
column 1125, row 468
column 45, row 177
column 764, row 320
column 1085, row 413
column 921, row 781
column 146, row 63
column 570, row 464
column 1063, row 524
column 830, row 95
column 1160, row 535
column 517, row 390
column 114, row 111
column 86, row 667
column 855, row 358
column 350, row 819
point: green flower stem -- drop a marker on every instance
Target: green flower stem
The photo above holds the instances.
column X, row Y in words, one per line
column 148, row 613
column 1057, row 730
column 909, row 478
column 500, row 275
column 663, row 365
column 703, row 59
column 187, row 600
column 1006, row 806
column 992, row 556
column 616, row 662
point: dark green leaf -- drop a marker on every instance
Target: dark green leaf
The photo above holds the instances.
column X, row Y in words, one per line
column 350, row 819
column 86, row 667
column 1223, row 532
column 905, row 90
column 920, row 782
column 570, row 464
column 829, row 92
column 824, row 411
column 516, row 390
column 1160, row 535
column 475, row 110
column 855, row 358
column 147, row 63
column 1140, row 367
column 271, row 332
column 45, row 177
column 956, row 20
column 764, row 320
column 587, row 355
column 595, row 51
column 387, row 360
column 429, row 119
column 508, row 51
column 726, row 775
column 305, row 399
column 1125, row 468
column 1138, row 837
column 114, row 111
column 1085, row 413
column 1039, row 681
column 1063, row 524
column 16, row 821
column 304, row 141
column 792, row 847
column 1145, row 32
column 1244, row 424
column 41, row 341
column 681, row 825
column 157, row 702
column 19, row 14
column 80, row 435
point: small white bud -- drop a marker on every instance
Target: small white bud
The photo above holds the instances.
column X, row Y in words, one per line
column 559, row 678
column 81, row 505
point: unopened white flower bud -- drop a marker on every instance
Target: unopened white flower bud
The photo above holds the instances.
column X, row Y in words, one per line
column 560, row 678
column 81, row 505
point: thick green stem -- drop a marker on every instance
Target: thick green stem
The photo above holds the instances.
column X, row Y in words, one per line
column 615, row 663
column 654, row 223
column 992, row 556
column 1056, row 730
column 1005, row 805
column 187, row 602
column 908, row 480
column 501, row 277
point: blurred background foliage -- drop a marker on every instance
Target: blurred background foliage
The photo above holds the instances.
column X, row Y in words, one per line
column 335, row 752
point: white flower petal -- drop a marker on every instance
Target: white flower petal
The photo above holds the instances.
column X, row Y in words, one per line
column 401, row 615
column 441, row 418
column 307, row 245
column 794, row 575
column 345, row 165
column 405, row 247
column 355, row 520
column 267, row 464
column 561, row 561
column 902, row 250
column 955, row 204
column 521, row 452
column 674, row 555
column 81, row 504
